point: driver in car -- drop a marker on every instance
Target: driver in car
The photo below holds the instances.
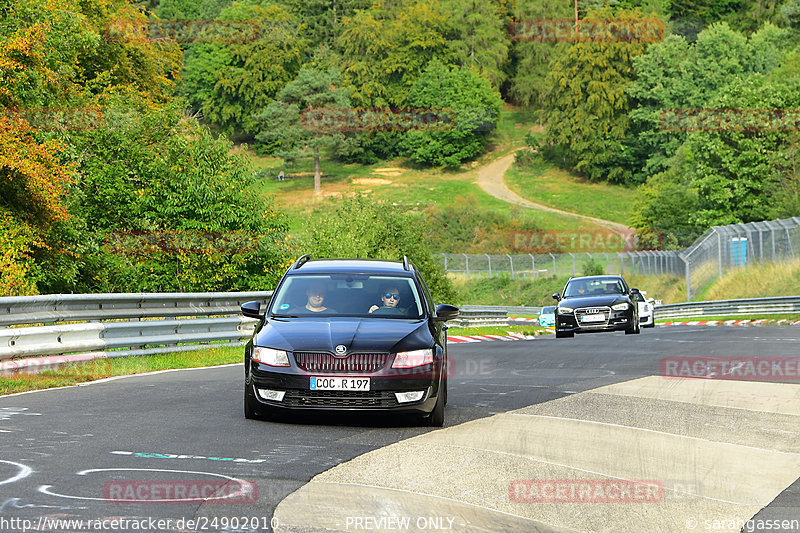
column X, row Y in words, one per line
column 390, row 297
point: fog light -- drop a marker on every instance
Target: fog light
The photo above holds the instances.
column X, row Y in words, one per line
column 405, row 397
column 271, row 395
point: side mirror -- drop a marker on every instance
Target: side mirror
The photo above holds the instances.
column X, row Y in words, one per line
column 252, row 309
column 555, row 296
column 445, row 312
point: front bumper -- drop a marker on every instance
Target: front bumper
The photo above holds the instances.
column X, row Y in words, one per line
column 380, row 398
column 617, row 321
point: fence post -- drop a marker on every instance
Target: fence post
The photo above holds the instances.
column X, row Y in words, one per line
column 573, row 263
column 490, row 265
column 511, row 262
column 607, row 267
column 533, row 266
column 688, row 280
column 445, row 261
column 554, row 260
column 466, row 259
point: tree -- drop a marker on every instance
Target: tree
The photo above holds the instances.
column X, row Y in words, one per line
column 675, row 76
column 586, row 108
column 481, row 38
column 530, row 57
column 284, row 125
column 740, row 167
column 323, row 18
column 157, row 176
column 363, row 227
column 231, row 82
column 464, row 97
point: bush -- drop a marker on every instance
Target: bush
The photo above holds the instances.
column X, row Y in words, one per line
column 368, row 229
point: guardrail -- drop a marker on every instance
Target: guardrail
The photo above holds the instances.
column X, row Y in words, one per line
column 752, row 306
column 88, row 326
column 477, row 316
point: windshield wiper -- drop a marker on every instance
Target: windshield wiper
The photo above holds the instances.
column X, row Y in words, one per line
column 284, row 316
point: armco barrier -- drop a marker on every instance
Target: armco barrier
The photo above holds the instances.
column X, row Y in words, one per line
column 85, row 326
column 41, row 331
column 752, row 306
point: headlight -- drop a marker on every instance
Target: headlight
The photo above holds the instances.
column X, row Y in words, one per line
column 413, row 358
column 270, row 357
column 565, row 310
column 620, row 307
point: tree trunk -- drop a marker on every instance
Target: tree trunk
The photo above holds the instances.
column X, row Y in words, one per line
column 316, row 171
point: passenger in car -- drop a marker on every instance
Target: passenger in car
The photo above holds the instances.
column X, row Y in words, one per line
column 390, row 297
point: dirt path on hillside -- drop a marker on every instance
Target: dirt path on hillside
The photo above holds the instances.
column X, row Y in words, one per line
column 490, row 179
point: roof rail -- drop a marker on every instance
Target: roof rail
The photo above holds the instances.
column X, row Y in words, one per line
column 301, row 261
column 405, row 263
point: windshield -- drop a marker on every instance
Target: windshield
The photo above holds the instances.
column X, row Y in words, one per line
column 353, row 295
column 593, row 287
column 548, row 310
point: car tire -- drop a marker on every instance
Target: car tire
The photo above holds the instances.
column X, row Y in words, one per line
column 436, row 418
column 249, row 406
column 564, row 334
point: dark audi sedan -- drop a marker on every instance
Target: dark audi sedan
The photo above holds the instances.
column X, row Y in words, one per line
column 596, row 303
column 347, row 335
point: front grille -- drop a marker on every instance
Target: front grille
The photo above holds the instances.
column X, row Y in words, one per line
column 605, row 311
column 363, row 363
column 337, row 398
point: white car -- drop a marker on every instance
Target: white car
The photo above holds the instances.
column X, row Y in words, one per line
column 646, row 315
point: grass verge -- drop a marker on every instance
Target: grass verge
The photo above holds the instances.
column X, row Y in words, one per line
column 105, row 368
column 546, row 184
column 795, row 316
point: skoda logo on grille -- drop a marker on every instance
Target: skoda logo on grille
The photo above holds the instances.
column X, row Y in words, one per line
column 341, row 349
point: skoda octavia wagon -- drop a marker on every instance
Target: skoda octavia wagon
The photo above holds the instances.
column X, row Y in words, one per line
column 348, row 335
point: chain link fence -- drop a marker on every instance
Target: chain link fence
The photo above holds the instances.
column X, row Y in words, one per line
column 718, row 250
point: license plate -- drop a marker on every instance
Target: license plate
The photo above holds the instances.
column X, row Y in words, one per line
column 337, row 383
column 593, row 318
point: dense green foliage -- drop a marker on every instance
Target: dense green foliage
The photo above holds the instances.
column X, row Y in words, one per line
column 467, row 100
column 367, row 229
column 105, row 183
column 136, row 152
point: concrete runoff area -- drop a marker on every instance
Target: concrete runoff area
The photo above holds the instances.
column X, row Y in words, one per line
column 653, row 454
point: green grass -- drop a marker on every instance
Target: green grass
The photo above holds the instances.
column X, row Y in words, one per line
column 549, row 185
column 104, row 368
column 410, row 188
column 494, row 330
column 502, row 290
column 790, row 316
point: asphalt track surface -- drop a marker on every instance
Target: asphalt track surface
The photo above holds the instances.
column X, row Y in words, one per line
column 63, row 452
